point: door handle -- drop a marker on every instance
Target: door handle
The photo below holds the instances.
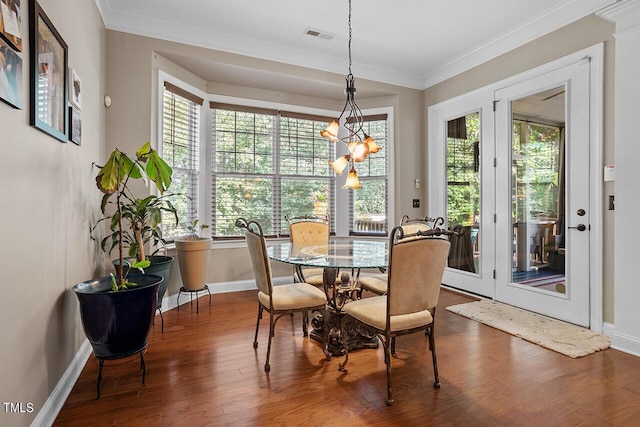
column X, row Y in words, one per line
column 580, row 227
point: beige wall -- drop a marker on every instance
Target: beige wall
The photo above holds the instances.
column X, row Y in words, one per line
column 586, row 32
column 49, row 200
column 130, row 120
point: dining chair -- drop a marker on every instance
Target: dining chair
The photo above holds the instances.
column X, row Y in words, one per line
column 277, row 300
column 416, row 266
column 377, row 282
column 308, row 230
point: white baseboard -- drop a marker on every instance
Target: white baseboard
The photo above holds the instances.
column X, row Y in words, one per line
column 171, row 301
column 51, row 408
column 622, row 342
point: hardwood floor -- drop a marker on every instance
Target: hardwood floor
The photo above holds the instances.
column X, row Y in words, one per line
column 203, row 371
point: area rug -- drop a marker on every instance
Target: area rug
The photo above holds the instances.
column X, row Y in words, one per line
column 565, row 338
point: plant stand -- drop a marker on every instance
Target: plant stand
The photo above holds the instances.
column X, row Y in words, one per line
column 102, row 360
column 191, row 292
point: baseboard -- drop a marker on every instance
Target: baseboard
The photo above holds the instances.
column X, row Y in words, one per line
column 47, row 415
column 622, row 342
column 171, row 301
column 51, row 408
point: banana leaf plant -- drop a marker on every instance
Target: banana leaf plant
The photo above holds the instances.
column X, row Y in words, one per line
column 134, row 221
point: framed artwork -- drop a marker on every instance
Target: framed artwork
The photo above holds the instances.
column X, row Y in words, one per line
column 48, row 73
column 75, row 126
column 75, row 89
column 11, row 23
column 10, row 76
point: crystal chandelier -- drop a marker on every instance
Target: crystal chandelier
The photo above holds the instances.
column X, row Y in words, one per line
column 359, row 144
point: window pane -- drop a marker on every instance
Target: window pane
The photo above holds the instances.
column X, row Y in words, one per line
column 246, row 197
column 304, row 197
column 180, row 148
column 463, row 188
column 370, row 206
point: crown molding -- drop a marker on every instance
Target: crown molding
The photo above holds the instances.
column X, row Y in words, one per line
column 563, row 14
column 625, row 14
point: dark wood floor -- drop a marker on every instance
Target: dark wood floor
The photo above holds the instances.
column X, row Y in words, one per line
column 203, row 371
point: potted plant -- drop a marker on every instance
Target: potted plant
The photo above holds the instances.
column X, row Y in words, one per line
column 320, row 202
column 117, row 310
column 143, row 218
column 193, row 257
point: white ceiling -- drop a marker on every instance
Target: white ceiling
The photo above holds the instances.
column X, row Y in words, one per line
column 410, row 43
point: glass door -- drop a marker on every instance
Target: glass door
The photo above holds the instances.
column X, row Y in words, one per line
column 542, row 196
column 461, row 182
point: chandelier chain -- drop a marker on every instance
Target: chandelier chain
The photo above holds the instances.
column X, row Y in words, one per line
column 349, row 36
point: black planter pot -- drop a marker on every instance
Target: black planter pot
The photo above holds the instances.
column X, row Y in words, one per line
column 160, row 266
column 117, row 323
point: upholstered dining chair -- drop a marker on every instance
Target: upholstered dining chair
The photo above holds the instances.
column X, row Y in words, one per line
column 377, row 282
column 416, row 265
column 309, row 230
column 277, row 300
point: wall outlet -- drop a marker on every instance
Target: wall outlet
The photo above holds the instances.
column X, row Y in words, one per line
column 416, row 203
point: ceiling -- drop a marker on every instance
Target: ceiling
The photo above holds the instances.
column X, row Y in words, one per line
column 410, row 43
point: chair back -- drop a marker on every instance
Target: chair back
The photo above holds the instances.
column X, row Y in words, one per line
column 309, row 230
column 416, row 266
column 258, row 253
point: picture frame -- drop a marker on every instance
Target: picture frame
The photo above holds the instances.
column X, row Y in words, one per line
column 11, row 23
column 75, row 126
column 48, row 74
column 10, row 76
column 75, row 89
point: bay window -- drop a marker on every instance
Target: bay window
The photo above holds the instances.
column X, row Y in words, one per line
column 266, row 163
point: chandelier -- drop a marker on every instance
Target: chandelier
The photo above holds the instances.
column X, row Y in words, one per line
column 359, row 144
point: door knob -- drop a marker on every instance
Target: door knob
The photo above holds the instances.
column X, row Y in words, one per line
column 580, row 227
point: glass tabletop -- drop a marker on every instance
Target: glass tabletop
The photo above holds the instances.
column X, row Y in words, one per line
column 351, row 253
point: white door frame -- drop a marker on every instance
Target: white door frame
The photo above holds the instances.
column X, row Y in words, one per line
column 482, row 282
column 434, row 159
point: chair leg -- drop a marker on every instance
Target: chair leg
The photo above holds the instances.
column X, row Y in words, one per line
column 267, row 367
column 387, row 357
column 255, row 339
column 432, row 347
column 305, row 323
column 343, row 337
column 393, row 346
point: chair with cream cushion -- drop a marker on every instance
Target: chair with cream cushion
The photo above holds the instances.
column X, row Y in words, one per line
column 377, row 282
column 277, row 300
column 309, row 230
column 416, row 265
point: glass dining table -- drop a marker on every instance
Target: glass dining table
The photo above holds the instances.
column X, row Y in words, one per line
column 341, row 261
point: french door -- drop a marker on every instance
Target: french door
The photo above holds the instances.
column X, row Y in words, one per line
column 461, row 188
column 515, row 167
column 542, row 194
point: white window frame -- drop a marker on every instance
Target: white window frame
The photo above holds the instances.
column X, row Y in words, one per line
column 342, row 197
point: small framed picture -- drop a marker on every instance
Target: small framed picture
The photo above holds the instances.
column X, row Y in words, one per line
column 75, row 89
column 75, row 126
column 48, row 73
column 10, row 76
column 11, row 23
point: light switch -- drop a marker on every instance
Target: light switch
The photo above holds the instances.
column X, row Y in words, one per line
column 609, row 173
column 417, row 184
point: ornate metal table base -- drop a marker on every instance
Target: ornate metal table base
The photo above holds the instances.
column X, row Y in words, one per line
column 329, row 323
column 326, row 325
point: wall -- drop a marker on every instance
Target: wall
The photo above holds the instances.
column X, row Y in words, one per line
column 626, row 16
column 583, row 33
column 49, row 200
column 131, row 119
